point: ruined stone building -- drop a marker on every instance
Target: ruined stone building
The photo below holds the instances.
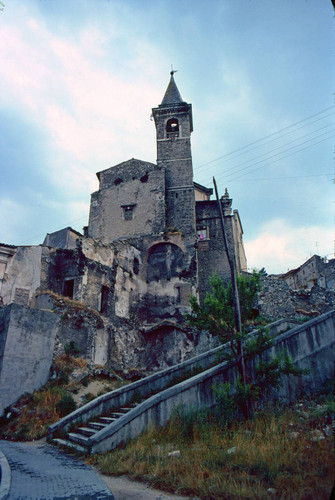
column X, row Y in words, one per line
column 153, row 239
column 315, row 271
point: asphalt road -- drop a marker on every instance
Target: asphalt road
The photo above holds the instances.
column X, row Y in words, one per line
column 40, row 471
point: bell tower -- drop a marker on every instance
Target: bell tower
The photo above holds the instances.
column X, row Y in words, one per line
column 173, row 121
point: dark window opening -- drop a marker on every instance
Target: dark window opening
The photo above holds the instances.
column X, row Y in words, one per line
column 136, row 266
column 172, row 128
column 176, row 195
column 104, row 299
column 145, row 177
column 118, row 181
column 128, row 211
column 68, row 288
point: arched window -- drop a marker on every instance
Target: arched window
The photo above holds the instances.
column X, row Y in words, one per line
column 172, row 128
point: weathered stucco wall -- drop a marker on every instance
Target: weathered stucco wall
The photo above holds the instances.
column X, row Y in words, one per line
column 22, row 275
column 27, row 339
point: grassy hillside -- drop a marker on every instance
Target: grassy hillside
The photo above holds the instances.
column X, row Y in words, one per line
column 285, row 452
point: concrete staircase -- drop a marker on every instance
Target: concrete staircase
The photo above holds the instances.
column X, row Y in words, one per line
column 79, row 440
column 116, row 417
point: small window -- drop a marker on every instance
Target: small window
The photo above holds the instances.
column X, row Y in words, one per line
column 145, row 177
column 68, row 290
column 104, row 299
column 128, row 211
column 202, row 232
column 136, row 265
column 172, row 128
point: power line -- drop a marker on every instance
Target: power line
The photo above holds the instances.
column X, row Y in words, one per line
column 278, row 159
column 282, row 178
column 270, row 135
column 279, row 147
column 280, row 153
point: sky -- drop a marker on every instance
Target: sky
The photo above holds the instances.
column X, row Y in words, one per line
column 79, row 79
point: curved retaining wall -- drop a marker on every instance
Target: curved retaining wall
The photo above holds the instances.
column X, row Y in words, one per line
column 148, row 385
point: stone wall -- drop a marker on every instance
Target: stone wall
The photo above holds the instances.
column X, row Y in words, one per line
column 129, row 203
column 27, row 338
column 211, row 251
column 276, row 300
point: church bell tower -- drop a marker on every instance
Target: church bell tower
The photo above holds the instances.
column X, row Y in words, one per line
column 173, row 120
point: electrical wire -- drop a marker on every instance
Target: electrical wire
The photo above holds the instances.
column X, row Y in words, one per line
column 271, row 135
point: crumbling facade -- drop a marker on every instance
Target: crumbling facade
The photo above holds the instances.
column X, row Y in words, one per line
column 315, row 271
column 153, row 239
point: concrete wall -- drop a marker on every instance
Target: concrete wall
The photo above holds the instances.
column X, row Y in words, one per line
column 27, row 339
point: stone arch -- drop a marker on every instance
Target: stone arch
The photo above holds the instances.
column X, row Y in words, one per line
column 164, row 261
column 172, row 127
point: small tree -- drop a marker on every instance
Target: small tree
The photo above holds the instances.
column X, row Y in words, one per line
column 217, row 316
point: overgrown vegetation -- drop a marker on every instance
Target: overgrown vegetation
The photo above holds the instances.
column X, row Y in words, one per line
column 217, row 315
column 72, row 349
column 72, row 309
column 286, row 452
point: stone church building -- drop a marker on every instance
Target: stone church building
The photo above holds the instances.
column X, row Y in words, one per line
column 153, row 239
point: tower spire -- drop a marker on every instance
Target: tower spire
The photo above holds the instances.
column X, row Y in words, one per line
column 172, row 94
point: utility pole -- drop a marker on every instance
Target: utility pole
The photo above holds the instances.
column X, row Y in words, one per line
column 236, row 299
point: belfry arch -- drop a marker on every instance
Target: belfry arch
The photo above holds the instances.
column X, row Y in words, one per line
column 172, row 127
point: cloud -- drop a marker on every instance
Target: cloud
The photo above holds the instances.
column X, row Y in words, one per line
column 13, row 219
column 281, row 247
column 68, row 89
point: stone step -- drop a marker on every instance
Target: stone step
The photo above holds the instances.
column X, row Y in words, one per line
column 86, row 431
column 107, row 420
column 77, row 438
column 96, row 425
column 69, row 444
column 117, row 414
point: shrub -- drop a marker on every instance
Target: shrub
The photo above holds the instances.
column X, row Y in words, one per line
column 65, row 405
column 72, row 349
